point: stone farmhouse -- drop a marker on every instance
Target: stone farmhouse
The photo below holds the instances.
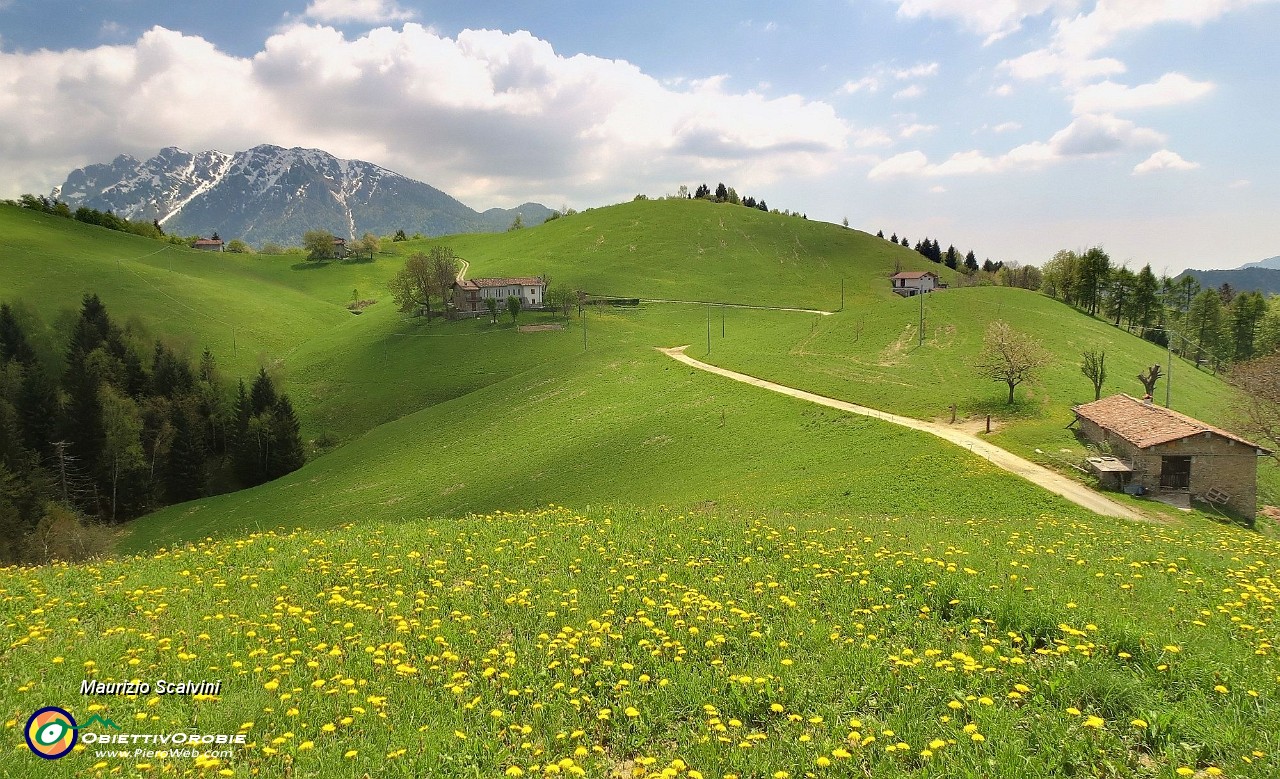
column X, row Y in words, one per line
column 469, row 296
column 208, row 244
column 1162, row 450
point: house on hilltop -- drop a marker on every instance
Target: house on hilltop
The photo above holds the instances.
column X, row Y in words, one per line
column 1165, row 450
column 469, row 296
column 912, row 283
column 208, row 244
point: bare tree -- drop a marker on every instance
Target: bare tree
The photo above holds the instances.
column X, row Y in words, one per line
column 1094, row 368
column 1009, row 356
column 1259, row 409
column 1149, row 378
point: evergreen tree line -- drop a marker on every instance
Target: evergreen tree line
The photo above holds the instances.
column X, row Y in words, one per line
column 1215, row 327
column 115, row 430
column 93, row 216
column 931, row 249
column 726, row 194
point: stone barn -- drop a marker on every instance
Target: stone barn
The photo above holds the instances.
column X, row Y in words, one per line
column 1168, row 451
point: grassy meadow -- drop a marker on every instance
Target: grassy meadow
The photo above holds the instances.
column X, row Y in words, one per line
column 661, row 643
column 872, row 354
column 516, row 556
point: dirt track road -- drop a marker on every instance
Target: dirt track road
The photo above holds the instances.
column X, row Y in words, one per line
column 1036, row 474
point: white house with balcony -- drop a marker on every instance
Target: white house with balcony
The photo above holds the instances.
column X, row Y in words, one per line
column 911, row 283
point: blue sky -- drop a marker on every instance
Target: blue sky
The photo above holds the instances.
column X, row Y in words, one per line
column 1013, row 127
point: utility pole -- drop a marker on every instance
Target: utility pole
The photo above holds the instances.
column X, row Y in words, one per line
column 920, row 294
column 583, row 310
column 708, row 331
column 842, row 293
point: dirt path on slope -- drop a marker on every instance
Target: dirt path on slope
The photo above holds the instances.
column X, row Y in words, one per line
column 1036, row 474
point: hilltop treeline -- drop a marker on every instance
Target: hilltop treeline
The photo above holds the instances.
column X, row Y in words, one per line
column 1212, row 326
column 92, row 216
column 110, row 429
column 1008, row 275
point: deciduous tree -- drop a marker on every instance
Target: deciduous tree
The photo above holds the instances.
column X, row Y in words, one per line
column 1094, row 367
column 1259, row 411
column 1010, row 357
column 318, row 244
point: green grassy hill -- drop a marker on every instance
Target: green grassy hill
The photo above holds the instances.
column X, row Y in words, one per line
column 698, row 250
column 741, row 584
column 621, row 423
column 872, row 354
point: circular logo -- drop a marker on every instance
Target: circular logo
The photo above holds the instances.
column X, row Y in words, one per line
column 51, row 732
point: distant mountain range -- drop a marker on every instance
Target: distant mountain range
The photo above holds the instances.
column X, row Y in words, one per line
column 1270, row 262
column 1263, row 275
column 269, row 193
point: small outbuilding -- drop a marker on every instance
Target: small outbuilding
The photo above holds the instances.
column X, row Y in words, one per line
column 1168, row 451
column 912, row 283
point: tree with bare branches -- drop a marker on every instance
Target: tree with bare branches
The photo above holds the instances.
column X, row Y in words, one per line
column 1259, row 409
column 1094, row 368
column 1010, row 357
column 1149, row 378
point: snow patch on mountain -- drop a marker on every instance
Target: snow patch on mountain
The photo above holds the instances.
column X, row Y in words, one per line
column 269, row 193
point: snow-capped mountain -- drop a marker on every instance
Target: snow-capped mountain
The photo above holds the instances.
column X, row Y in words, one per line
column 273, row 194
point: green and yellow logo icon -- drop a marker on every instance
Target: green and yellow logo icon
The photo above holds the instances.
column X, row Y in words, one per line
column 51, row 732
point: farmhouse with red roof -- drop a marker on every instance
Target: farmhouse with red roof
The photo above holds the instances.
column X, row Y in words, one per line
column 1171, row 451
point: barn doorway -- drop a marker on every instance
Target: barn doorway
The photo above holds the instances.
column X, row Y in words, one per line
column 1175, row 473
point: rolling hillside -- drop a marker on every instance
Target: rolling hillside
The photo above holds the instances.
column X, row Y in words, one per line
column 563, row 552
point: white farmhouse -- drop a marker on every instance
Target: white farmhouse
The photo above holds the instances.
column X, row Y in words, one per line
column 911, row 283
column 469, row 296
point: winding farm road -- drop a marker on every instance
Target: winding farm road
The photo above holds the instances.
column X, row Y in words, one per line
column 1036, row 474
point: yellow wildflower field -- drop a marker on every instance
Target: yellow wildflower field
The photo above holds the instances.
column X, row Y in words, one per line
column 630, row 643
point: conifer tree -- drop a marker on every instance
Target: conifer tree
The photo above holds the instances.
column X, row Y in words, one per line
column 185, row 473
column 286, row 452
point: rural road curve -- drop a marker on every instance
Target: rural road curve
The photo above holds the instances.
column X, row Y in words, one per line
column 1036, row 474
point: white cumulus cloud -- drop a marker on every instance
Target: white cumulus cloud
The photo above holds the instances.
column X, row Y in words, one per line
column 1110, row 97
column 1163, row 160
column 489, row 116
column 367, row 11
column 1092, row 135
column 994, row 19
